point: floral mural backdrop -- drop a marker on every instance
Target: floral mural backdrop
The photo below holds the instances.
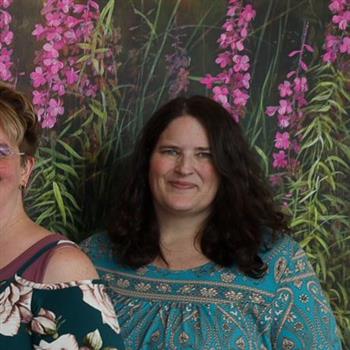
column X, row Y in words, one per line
column 96, row 70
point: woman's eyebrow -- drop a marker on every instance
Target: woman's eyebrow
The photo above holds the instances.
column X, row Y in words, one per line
column 203, row 148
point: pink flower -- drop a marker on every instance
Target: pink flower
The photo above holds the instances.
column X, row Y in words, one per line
column 65, row 5
column 232, row 10
column 283, row 121
column 55, row 107
column 5, row 18
column 39, row 98
column 5, row 3
column 72, row 76
column 285, row 107
column 229, row 25
column 342, row 20
column 223, row 59
column 240, row 98
column 282, row 140
column 72, row 21
column 39, row 30
column 242, row 63
column 271, row 110
column 54, row 65
column 220, row 95
column 53, row 19
column 248, row 13
column 329, row 57
column 7, row 37
column 50, row 49
column 208, row 81
column 243, row 80
column 48, row 121
column 285, row 89
column 38, row 77
column 59, row 88
column 233, row 78
column 5, row 74
column 300, row 84
column 337, row 5
column 331, row 41
column 345, row 45
column 280, row 160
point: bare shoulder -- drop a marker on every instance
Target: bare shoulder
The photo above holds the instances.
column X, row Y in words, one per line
column 69, row 263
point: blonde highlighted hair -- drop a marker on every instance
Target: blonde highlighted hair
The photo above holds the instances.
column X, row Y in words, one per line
column 19, row 120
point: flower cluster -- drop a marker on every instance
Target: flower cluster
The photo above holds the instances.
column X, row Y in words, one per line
column 178, row 68
column 6, row 38
column 338, row 37
column 68, row 23
column 289, row 112
column 230, row 87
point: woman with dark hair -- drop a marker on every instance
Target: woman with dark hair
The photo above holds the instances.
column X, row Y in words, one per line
column 50, row 295
column 197, row 255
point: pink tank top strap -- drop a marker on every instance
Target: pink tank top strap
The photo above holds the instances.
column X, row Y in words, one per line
column 32, row 263
column 36, row 271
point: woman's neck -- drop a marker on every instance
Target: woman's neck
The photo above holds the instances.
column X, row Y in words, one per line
column 179, row 241
column 13, row 219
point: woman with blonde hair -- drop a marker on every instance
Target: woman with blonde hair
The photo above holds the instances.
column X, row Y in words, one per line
column 50, row 297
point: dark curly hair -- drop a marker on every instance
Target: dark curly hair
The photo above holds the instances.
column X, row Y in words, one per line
column 243, row 215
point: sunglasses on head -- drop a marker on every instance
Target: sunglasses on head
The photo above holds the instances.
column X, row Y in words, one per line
column 6, row 151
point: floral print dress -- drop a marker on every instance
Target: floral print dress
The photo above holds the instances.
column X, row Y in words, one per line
column 216, row 308
column 64, row 316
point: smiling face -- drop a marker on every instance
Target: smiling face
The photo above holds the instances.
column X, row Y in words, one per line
column 182, row 177
column 13, row 174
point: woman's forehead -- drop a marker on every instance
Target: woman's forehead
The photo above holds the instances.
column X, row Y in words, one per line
column 185, row 129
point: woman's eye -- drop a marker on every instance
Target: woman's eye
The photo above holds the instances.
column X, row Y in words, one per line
column 170, row 152
column 204, row 155
column 4, row 151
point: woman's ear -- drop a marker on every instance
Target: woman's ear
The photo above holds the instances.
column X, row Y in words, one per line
column 27, row 167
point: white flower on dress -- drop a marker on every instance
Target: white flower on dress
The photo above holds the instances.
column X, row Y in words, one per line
column 209, row 292
column 228, row 277
column 44, row 323
column 143, row 287
column 95, row 295
column 123, row 283
column 64, row 342
column 164, row 288
column 187, row 289
column 93, row 340
column 256, row 298
column 301, row 265
column 234, row 296
column 15, row 303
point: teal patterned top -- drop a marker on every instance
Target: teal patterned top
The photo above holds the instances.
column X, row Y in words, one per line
column 211, row 307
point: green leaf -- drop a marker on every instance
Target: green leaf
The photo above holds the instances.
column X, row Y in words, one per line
column 70, row 150
column 59, row 201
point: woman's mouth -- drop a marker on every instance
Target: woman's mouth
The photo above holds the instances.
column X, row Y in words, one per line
column 182, row 185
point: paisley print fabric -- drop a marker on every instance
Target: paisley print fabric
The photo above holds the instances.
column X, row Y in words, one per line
column 211, row 307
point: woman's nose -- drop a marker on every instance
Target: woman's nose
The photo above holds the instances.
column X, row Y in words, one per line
column 184, row 165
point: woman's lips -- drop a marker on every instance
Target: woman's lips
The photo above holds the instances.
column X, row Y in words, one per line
column 182, row 185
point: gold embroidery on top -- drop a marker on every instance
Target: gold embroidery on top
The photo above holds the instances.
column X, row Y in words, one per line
column 199, row 282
